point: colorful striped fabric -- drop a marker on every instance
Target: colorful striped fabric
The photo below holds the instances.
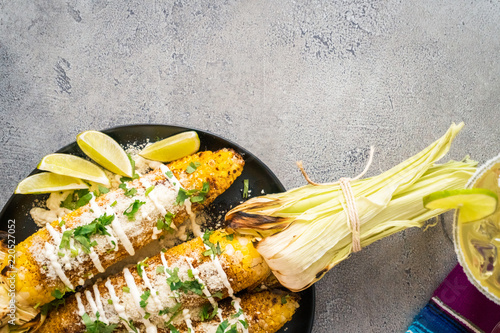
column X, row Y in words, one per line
column 457, row 306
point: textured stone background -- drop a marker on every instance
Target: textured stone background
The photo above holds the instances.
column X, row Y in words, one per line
column 314, row 80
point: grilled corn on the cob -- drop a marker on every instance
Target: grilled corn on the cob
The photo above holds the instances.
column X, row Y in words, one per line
column 198, row 272
column 49, row 261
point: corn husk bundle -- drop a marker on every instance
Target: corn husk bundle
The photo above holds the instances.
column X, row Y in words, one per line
column 304, row 232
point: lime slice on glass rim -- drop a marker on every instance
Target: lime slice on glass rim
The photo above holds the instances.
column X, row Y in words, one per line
column 48, row 182
column 106, row 152
column 474, row 203
column 173, row 148
column 73, row 166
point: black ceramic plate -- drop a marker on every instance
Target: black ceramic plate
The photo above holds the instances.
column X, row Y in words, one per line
column 259, row 176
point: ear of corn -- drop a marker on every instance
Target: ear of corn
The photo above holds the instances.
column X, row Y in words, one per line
column 306, row 231
column 242, row 266
column 33, row 284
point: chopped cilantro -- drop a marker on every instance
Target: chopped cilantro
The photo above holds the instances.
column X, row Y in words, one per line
column 76, row 199
column 245, row 188
column 284, row 299
column 132, row 162
column 126, row 289
column 113, row 204
column 52, row 305
column 132, row 209
column 237, row 314
column 160, row 269
column 205, row 312
column 74, row 253
column 66, row 236
column 149, row 189
column 144, row 297
column 83, row 233
column 218, row 294
column 141, row 265
column 147, row 315
column 129, row 192
column 190, row 273
column 169, row 174
column 230, row 237
column 164, row 223
column 192, row 167
column 110, row 301
column 214, row 249
column 113, row 248
column 102, row 189
column 97, row 326
column 172, row 309
column 60, row 254
column 244, row 323
column 61, row 223
column 57, row 294
column 175, row 283
column 194, row 195
column 172, row 329
column 130, row 324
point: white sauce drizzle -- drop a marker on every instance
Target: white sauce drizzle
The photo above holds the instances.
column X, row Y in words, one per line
column 187, row 319
column 54, row 234
column 192, row 217
column 52, row 256
column 120, row 309
column 122, row 236
column 100, row 307
column 230, row 291
column 145, row 278
column 81, row 308
column 94, row 206
column 205, row 290
column 91, row 302
column 172, row 180
column 95, row 260
column 134, row 291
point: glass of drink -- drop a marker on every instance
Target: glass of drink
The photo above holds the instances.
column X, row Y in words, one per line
column 477, row 243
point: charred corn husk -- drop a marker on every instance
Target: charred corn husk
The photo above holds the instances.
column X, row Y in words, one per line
column 49, row 261
column 164, row 288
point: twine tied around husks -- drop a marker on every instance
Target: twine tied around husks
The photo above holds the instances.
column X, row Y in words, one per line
column 350, row 201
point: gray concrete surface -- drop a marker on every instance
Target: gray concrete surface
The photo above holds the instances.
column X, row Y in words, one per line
column 313, row 80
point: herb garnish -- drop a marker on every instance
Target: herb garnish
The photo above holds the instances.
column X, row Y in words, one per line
column 66, row 236
column 126, row 191
column 205, row 312
column 83, row 233
column 97, row 326
column 172, row 309
column 141, row 265
column 175, row 283
column 148, row 190
column 194, row 195
column 172, row 329
column 213, row 249
column 76, row 199
column 224, row 325
column 245, row 188
column 126, row 289
column 164, row 223
column 192, row 167
column 144, row 297
column 132, row 209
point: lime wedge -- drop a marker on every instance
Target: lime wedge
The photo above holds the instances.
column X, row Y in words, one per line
column 173, row 148
column 105, row 151
column 474, row 203
column 49, row 182
column 73, row 166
